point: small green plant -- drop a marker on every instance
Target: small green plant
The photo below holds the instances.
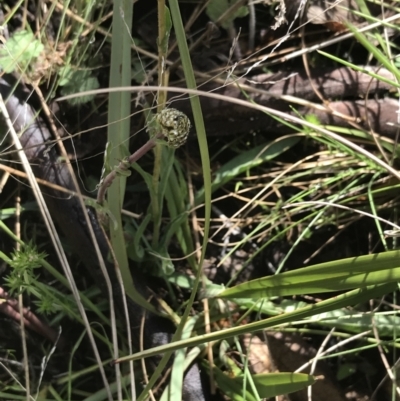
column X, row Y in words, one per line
column 20, row 52
column 23, row 264
column 77, row 80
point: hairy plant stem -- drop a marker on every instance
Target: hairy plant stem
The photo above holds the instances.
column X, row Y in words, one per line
column 124, row 166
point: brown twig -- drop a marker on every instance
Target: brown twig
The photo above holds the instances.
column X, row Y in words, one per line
column 10, row 307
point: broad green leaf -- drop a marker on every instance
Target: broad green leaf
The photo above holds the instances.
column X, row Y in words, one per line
column 181, row 280
column 338, row 275
column 21, row 49
column 247, row 160
column 138, row 74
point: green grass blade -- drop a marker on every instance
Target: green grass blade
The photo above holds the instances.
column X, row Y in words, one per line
column 197, row 116
column 232, row 388
column 119, row 128
column 341, row 301
column 378, row 54
column 273, row 384
column 338, row 275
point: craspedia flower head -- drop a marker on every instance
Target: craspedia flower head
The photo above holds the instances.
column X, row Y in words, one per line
column 174, row 125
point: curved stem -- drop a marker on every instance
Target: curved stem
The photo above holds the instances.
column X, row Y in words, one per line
column 124, row 166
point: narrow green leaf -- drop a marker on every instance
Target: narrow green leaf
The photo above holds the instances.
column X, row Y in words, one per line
column 374, row 50
column 273, row 384
column 136, row 250
column 147, row 179
column 231, row 387
column 173, row 390
column 356, row 323
column 10, row 212
column 340, row 301
column 118, row 132
column 331, row 276
column 171, row 229
column 267, row 385
column 168, row 26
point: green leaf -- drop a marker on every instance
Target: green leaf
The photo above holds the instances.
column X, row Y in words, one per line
column 338, row 275
column 247, row 160
column 348, row 321
column 231, row 387
column 73, row 81
column 21, row 49
column 10, row 212
column 181, row 363
column 171, row 229
column 273, row 384
column 374, row 50
column 346, row 370
column 341, row 319
column 267, row 385
column 353, row 297
column 313, row 119
column 148, row 178
column 163, row 257
column 135, row 250
column 168, row 26
column 106, row 163
column 216, row 8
